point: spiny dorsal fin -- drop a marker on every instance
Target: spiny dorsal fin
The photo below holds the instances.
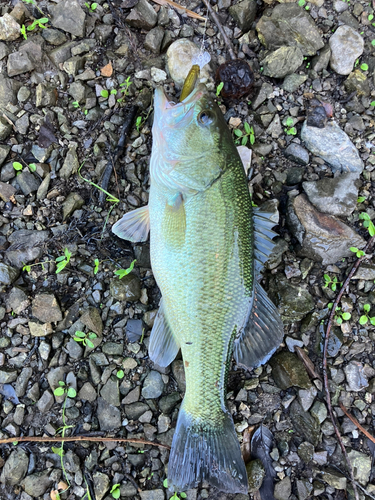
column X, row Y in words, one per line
column 134, row 226
column 262, row 332
column 163, row 347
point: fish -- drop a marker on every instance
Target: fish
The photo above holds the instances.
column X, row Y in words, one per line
column 207, row 245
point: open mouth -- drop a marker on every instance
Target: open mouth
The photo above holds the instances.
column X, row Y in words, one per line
column 162, row 103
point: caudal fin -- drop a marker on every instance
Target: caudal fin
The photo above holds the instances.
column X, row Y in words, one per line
column 203, row 452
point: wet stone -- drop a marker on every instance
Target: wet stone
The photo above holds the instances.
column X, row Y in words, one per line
column 109, row 416
column 306, row 451
column 288, row 371
column 355, row 376
column 142, row 16
column 357, row 82
column 15, row 468
column 154, row 39
column 135, row 410
column 244, row 14
column 282, row 62
column 46, row 308
column 153, row 385
column 306, row 425
column 46, row 402
column 128, row 289
column 319, row 411
column 293, row 301
column 304, row 489
column 167, row 403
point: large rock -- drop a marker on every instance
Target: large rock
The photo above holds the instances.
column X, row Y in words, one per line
column 37, row 484
column 15, row 467
column 336, row 196
column 283, row 61
column 290, row 25
column 346, row 46
column 9, row 28
column 8, row 274
column 109, row 416
column 244, row 13
column 46, row 308
column 322, row 237
column 69, row 16
column 334, row 146
column 142, row 16
column 293, row 302
column 305, row 424
column 8, row 91
column 288, row 371
column 179, row 60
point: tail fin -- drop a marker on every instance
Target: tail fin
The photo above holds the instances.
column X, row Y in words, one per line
column 201, row 451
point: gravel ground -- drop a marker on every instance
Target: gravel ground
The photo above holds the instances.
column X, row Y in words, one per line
column 64, row 95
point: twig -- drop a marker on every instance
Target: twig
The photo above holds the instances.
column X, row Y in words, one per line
column 325, row 374
column 356, row 423
column 220, row 28
column 79, row 438
column 177, row 6
column 131, row 479
column 118, row 151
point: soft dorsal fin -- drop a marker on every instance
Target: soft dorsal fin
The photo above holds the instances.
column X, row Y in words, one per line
column 262, row 332
column 134, row 226
column 163, row 347
column 263, row 234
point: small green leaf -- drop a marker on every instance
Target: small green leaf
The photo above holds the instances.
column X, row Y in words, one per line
column 370, row 17
column 94, row 6
column 364, row 216
column 353, row 249
column 104, row 93
column 183, row 495
column 92, row 335
column 78, row 339
column 60, row 259
column 17, row 165
column 57, row 451
column 238, row 132
column 346, row 316
column 367, row 308
column 165, row 483
column 120, row 374
column 363, row 320
column 96, row 268
column 330, row 305
column 59, row 391
column 61, row 383
column 247, row 127
column 289, row 121
column 372, row 43
column 333, row 287
column 90, row 344
column 114, row 91
column 245, row 138
column 252, row 139
column 32, row 167
column 364, row 67
column 26, row 268
column 372, row 320
column 338, row 320
column 80, row 334
column 72, row 393
column 67, row 254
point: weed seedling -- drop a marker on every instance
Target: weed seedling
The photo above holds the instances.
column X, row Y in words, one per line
column 63, row 261
column 219, row 88
column 38, row 22
column 331, row 282
column 364, row 67
column 75, row 104
column 17, row 166
column 367, row 223
column 339, row 315
column 138, row 123
column 120, row 374
column 115, row 491
column 124, row 90
column 290, row 130
column 358, row 253
column 361, row 199
column 23, row 31
column 175, row 495
column 366, row 317
column 123, row 272
column 96, row 268
column 244, row 137
column 85, row 338
column 91, row 7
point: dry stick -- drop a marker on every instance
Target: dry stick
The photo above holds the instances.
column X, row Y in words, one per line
column 356, row 423
column 325, row 374
column 79, row 438
column 221, row 29
column 119, row 150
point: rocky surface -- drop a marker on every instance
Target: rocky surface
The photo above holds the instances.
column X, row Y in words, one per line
column 63, row 99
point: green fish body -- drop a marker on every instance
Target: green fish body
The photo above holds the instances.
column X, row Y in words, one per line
column 206, row 249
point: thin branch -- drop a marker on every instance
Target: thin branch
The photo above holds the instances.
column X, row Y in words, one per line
column 325, row 350
column 356, row 423
column 96, row 439
column 220, row 28
column 177, row 6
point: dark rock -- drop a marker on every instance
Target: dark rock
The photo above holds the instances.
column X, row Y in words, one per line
column 46, row 308
column 37, row 484
column 72, row 203
column 28, row 183
column 54, row 37
column 101, row 485
column 297, row 153
column 154, row 39
column 322, row 237
column 293, row 302
column 15, row 468
column 46, row 402
column 255, row 474
column 292, row 26
column 5, row 128
column 17, row 300
column 92, row 320
column 355, row 376
column 293, row 81
column 306, row 425
column 244, row 14
column 4, row 150
column 167, row 403
column 69, row 16
column 179, row 374
column 8, row 274
column 8, row 91
column 320, row 62
column 283, row 489
column 46, row 95
column 142, row 16
column 288, row 371
column 134, row 329
column 337, row 196
column 110, row 391
column 19, row 62
column 294, row 176
column 109, row 416
column 357, row 82
column 127, row 289
column 283, row 61
column 153, row 385
column 135, row 410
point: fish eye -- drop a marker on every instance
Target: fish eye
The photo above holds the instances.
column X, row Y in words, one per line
column 205, row 118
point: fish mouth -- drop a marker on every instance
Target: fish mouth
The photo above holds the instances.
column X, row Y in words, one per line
column 163, row 105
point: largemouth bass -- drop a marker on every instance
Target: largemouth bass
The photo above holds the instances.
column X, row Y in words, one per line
column 206, row 247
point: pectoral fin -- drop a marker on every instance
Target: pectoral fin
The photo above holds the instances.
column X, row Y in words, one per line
column 263, row 235
column 163, row 347
column 262, row 333
column 134, row 226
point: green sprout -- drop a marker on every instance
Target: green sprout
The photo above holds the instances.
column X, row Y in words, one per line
column 123, row 272
column 85, row 338
column 361, row 199
column 91, row 7
column 23, row 31
column 64, row 389
column 301, row 3
column 120, row 374
column 125, row 89
column 104, row 93
column 367, row 223
column 373, row 42
column 370, row 17
column 219, row 88
column 364, row 67
column 138, row 123
column 331, row 282
column 244, row 137
column 17, row 166
column 38, row 22
column 366, row 317
column 75, row 104
column 32, row 167
column 290, row 130
column 358, row 253
column 63, row 261
column 175, row 495
column 115, row 491
column 96, row 268
column 339, row 315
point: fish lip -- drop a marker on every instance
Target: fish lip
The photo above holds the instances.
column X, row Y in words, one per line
column 162, row 104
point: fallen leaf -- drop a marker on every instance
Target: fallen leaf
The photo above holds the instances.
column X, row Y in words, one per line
column 107, row 70
column 261, row 445
column 54, row 495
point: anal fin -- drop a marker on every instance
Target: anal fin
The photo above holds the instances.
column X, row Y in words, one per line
column 134, row 226
column 262, row 333
column 163, row 347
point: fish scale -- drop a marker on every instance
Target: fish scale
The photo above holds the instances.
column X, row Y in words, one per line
column 204, row 258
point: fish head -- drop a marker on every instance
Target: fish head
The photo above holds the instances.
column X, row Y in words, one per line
column 190, row 141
